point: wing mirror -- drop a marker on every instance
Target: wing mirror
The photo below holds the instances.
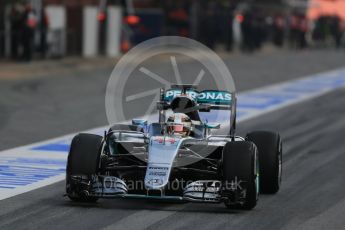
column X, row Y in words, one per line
column 212, row 125
column 140, row 122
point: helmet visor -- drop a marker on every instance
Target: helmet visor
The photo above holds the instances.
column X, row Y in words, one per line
column 177, row 127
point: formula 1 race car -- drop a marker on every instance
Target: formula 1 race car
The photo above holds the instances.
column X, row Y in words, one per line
column 180, row 157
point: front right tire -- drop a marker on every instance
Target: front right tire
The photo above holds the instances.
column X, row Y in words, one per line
column 83, row 160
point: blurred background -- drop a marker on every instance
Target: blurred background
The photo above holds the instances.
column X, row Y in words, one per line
column 46, row 29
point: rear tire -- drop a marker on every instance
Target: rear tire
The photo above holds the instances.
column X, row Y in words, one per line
column 83, row 160
column 270, row 158
column 240, row 164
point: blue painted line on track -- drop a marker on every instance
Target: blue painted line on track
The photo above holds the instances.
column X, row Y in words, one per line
column 16, row 172
column 56, row 147
column 7, row 187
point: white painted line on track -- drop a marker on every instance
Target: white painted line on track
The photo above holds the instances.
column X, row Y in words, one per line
column 29, row 167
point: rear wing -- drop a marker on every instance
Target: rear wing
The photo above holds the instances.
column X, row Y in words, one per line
column 206, row 99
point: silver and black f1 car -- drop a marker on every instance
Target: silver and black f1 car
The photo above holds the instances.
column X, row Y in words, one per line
column 177, row 158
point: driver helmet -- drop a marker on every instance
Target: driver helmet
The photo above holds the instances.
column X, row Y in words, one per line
column 179, row 124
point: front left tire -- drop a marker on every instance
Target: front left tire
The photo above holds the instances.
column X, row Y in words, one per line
column 269, row 145
column 240, row 164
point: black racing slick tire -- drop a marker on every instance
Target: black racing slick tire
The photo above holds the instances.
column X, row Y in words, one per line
column 240, row 165
column 269, row 145
column 83, row 160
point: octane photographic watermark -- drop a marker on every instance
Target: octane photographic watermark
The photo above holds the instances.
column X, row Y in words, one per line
column 133, row 89
column 181, row 184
